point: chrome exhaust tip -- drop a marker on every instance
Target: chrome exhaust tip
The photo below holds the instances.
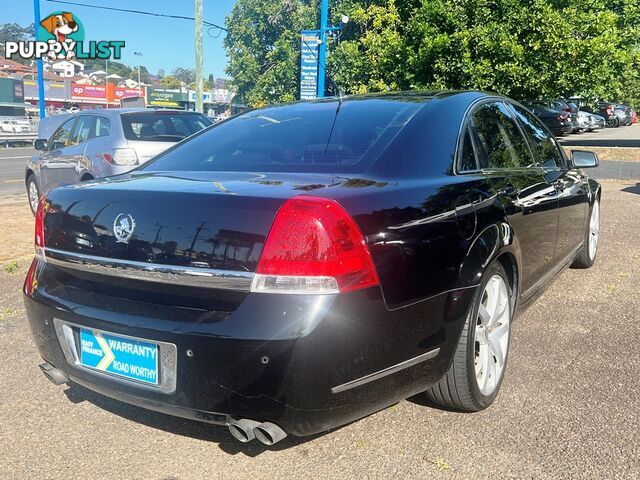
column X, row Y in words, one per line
column 243, row 429
column 55, row 376
column 269, row 433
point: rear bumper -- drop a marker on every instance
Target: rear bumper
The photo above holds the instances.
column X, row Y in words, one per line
column 330, row 359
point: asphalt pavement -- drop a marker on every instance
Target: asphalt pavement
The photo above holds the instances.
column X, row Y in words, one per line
column 12, row 162
column 628, row 136
column 568, row 407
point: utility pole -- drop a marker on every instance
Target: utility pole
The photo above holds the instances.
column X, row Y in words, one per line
column 36, row 23
column 322, row 54
column 199, row 63
column 139, row 54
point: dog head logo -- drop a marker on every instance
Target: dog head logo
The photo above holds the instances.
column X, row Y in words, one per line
column 60, row 25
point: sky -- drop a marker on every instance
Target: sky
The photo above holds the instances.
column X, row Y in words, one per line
column 164, row 43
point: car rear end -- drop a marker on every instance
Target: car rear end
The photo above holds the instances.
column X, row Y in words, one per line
column 135, row 136
column 231, row 297
column 151, row 132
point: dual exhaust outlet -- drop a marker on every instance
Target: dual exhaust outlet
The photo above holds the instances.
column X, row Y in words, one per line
column 245, row 430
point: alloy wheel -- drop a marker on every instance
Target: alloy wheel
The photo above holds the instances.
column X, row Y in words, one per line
column 492, row 335
column 34, row 197
column 594, row 229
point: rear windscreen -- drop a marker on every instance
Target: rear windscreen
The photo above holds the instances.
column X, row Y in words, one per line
column 162, row 127
column 303, row 137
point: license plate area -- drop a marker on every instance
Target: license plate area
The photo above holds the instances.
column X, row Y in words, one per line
column 136, row 362
column 125, row 357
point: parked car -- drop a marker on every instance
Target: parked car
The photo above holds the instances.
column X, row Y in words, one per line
column 584, row 121
column 607, row 110
column 295, row 268
column 560, row 106
column 13, row 126
column 557, row 121
column 7, row 126
column 623, row 112
column 596, row 122
column 99, row 143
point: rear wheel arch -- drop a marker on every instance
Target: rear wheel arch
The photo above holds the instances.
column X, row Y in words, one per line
column 86, row 176
column 495, row 241
column 510, row 265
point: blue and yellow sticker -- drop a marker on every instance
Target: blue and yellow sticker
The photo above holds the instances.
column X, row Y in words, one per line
column 132, row 359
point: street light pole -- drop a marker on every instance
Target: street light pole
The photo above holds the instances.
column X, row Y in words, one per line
column 199, row 61
column 36, row 23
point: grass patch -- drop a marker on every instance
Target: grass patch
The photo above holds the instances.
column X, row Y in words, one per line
column 11, row 267
column 616, row 154
column 7, row 312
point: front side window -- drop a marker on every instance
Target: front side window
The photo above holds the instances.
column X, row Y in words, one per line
column 500, row 139
column 62, row 137
column 545, row 149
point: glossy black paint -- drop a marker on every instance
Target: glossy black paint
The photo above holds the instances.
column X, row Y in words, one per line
column 430, row 229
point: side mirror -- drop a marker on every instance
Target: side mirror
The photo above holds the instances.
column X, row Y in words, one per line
column 584, row 159
column 40, row 144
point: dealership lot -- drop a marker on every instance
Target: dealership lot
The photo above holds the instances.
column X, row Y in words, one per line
column 568, row 407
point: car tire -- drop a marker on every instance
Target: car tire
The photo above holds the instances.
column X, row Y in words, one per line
column 587, row 255
column 33, row 193
column 615, row 123
column 466, row 387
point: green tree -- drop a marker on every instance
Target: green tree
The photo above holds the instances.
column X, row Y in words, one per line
column 13, row 32
column 185, row 75
column 263, row 45
column 170, row 82
column 522, row 48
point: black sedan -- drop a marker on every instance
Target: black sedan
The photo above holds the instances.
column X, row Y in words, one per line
column 298, row 267
column 557, row 121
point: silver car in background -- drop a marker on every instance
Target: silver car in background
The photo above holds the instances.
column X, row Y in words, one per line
column 99, row 143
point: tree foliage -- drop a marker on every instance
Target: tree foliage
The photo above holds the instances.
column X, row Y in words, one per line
column 521, row 48
column 13, row 32
column 263, row 45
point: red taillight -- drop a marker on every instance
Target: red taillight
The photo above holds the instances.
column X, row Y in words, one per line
column 31, row 282
column 39, row 236
column 314, row 246
column 107, row 157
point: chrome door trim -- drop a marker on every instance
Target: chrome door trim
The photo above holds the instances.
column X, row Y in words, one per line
column 152, row 272
column 385, row 372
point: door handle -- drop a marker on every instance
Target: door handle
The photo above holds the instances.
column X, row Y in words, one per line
column 509, row 191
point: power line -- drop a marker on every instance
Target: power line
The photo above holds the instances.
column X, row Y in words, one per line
column 139, row 12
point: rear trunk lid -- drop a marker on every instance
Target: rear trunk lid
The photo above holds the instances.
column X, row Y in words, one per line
column 147, row 150
column 200, row 220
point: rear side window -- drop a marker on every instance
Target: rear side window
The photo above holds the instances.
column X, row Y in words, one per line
column 162, row 127
column 102, row 127
column 545, row 149
column 467, row 155
column 500, row 139
column 304, row 137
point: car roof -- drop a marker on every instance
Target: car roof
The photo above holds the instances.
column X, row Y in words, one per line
column 119, row 111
